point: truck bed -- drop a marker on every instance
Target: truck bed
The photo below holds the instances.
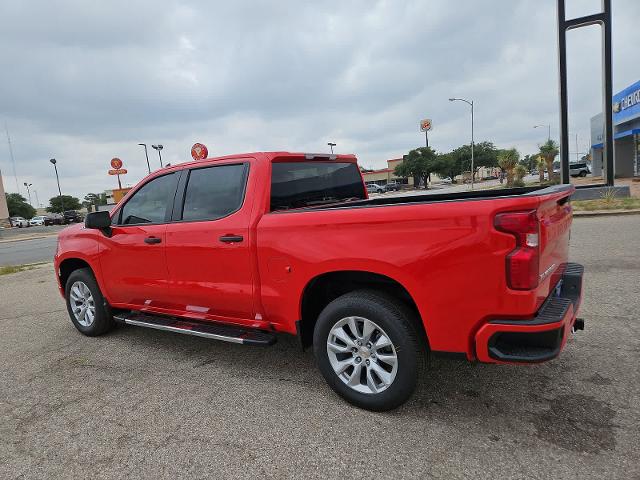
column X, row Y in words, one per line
column 447, row 197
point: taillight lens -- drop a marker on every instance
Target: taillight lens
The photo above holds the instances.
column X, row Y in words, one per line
column 522, row 264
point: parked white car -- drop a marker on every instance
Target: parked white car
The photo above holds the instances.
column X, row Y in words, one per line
column 19, row 222
column 36, row 221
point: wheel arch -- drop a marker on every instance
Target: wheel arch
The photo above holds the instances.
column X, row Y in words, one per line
column 326, row 287
column 72, row 263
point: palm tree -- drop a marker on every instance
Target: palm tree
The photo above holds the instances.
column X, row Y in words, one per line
column 549, row 151
column 508, row 159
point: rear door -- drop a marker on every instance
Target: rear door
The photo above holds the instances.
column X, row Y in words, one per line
column 133, row 257
column 208, row 245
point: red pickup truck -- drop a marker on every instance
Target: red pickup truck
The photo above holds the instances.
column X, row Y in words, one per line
column 242, row 247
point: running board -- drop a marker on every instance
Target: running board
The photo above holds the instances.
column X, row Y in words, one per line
column 225, row 333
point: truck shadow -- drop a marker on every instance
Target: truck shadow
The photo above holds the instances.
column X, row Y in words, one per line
column 495, row 397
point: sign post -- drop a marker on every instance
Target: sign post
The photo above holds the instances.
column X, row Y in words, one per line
column 425, row 126
column 116, row 165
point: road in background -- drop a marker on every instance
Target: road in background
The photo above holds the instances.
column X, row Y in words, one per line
column 27, row 251
column 140, row 403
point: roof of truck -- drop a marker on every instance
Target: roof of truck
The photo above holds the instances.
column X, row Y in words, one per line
column 264, row 156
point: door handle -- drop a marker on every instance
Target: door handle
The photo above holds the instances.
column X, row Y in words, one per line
column 152, row 240
column 231, row 238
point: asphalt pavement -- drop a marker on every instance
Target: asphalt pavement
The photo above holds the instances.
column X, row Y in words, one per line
column 140, row 403
column 20, row 252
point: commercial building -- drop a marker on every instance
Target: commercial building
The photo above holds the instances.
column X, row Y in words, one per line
column 626, row 134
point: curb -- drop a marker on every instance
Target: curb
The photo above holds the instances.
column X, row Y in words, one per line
column 603, row 213
column 21, row 239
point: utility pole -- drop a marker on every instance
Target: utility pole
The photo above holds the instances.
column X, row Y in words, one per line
column 13, row 160
column 331, row 144
column 158, row 148
column 53, row 161
column 470, row 102
column 28, row 191
column 146, row 155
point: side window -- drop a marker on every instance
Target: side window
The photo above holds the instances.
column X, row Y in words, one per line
column 214, row 192
column 149, row 203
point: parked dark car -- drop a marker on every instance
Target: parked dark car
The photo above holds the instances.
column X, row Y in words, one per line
column 54, row 219
column 72, row 216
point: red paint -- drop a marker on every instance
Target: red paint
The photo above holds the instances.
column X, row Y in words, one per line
column 448, row 255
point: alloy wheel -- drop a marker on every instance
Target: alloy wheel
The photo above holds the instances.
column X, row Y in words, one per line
column 362, row 355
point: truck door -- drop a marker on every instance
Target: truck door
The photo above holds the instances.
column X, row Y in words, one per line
column 208, row 246
column 132, row 258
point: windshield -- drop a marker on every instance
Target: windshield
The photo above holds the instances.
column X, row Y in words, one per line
column 302, row 184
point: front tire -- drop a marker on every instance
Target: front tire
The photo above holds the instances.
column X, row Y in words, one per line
column 86, row 305
column 368, row 349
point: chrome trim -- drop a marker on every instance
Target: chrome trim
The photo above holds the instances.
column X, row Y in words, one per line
column 195, row 333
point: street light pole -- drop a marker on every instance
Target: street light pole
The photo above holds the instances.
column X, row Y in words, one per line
column 53, row 161
column 37, row 200
column 146, row 155
column 469, row 102
column 158, row 148
column 28, row 191
column 548, row 129
column 331, row 144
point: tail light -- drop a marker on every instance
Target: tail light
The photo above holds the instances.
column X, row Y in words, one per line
column 523, row 262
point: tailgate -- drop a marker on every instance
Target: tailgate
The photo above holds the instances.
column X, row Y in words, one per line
column 555, row 215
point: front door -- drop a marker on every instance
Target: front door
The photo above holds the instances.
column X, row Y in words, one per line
column 133, row 257
column 208, row 246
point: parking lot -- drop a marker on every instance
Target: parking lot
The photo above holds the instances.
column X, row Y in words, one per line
column 145, row 404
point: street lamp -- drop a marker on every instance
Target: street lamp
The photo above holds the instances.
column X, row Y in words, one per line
column 28, row 191
column 470, row 102
column 158, row 148
column 331, row 145
column 37, row 200
column 53, row 161
column 146, row 155
column 549, row 130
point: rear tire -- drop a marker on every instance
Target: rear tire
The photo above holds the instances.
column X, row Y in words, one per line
column 86, row 305
column 368, row 349
column 583, row 174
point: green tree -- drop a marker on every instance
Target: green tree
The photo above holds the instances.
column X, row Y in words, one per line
column 94, row 199
column 529, row 162
column 18, row 206
column 520, row 171
column 56, row 204
column 549, row 151
column 449, row 165
column 485, row 154
column 508, row 159
column 419, row 164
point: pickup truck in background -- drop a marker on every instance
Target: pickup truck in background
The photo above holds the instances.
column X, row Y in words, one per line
column 243, row 247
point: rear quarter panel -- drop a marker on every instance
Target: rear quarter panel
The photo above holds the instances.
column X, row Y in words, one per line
column 446, row 254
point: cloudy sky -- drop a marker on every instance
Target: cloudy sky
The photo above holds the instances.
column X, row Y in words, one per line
column 85, row 81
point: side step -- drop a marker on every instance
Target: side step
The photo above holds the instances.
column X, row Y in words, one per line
column 225, row 333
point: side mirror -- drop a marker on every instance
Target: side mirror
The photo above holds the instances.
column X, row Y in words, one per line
column 98, row 220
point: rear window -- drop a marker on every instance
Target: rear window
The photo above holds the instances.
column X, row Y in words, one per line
column 302, row 184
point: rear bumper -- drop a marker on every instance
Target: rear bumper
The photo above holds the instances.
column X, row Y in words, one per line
column 538, row 339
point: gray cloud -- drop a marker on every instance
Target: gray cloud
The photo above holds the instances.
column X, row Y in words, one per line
column 85, row 81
